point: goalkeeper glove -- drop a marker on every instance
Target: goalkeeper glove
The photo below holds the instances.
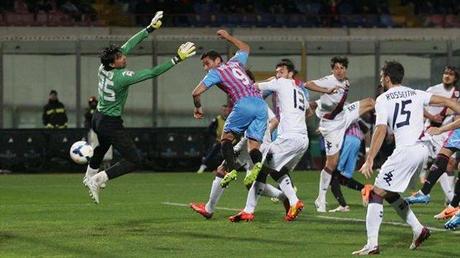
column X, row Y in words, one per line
column 156, row 22
column 185, row 51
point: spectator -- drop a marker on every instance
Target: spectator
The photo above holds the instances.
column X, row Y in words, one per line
column 44, row 6
column 92, row 105
column 69, row 8
column 54, row 115
column 21, row 7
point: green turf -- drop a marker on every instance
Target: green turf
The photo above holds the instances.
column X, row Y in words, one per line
column 52, row 216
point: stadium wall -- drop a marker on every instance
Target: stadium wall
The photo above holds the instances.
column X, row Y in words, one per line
column 37, row 59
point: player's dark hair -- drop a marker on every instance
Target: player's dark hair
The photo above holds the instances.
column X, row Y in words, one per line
column 108, row 56
column 453, row 69
column 394, row 70
column 339, row 59
column 286, row 62
column 211, row 54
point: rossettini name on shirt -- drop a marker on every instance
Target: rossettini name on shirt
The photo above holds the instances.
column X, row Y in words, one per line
column 400, row 94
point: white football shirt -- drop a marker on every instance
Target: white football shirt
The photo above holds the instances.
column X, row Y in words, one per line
column 440, row 90
column 328, row 102
column 401, row 108
column 292, row 103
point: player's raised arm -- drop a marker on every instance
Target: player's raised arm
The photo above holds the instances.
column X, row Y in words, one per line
column 243, row 46
column 141, row 35
column 451, row 104
column 312, row 86
column 185, row 51
column 446, row 102
column 196, row 94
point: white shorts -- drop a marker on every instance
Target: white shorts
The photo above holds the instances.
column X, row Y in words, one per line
column 333, row 131
column 435, row 143
column 402, row 168
column 243, row 157
column 285, row 151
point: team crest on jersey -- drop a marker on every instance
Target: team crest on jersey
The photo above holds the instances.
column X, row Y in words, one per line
column 128, row 73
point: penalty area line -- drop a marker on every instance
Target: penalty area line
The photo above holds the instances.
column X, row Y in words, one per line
column 323, row 217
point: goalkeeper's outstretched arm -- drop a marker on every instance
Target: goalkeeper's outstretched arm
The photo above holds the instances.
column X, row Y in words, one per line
column 185, row 51
column 143, row 34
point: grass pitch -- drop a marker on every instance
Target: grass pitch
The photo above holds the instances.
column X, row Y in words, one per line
column 145, row 215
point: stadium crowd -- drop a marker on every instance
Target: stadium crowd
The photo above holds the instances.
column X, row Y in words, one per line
column 242, row 13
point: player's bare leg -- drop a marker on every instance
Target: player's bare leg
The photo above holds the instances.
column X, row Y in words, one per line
column 366, row 105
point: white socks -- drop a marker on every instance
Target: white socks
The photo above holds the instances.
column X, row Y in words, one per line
column 324, row 182
column 214, row 196
column 446, row 184
column 90, row 172
column 373, row 220
column 101, row 177
column 406, row 214
column 288, row 190
column 272, row 192
column 253, row 196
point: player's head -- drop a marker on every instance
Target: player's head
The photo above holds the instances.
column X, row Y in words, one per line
column 284, row 69
column 339, row 66
column 53, row 96
column 392, row 73
column 450, row 75
column 112, row 58
column 211, row 59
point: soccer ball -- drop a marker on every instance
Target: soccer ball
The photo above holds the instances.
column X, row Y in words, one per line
column 81, row 152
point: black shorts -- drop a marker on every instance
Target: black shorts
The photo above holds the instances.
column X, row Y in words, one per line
column 110, row 131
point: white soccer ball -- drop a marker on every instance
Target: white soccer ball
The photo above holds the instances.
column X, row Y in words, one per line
column 81, row 152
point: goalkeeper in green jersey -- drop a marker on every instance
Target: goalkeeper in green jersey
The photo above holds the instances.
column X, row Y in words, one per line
column 114, row 83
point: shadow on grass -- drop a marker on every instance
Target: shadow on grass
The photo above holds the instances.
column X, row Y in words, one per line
column 57, row 247
column 134, row 226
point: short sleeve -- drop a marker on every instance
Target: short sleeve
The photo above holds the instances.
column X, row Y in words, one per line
column 211, row 78
column 381, row 113
column 270, row 85
column 324, row 82
column 426, row 96
column 240, row 57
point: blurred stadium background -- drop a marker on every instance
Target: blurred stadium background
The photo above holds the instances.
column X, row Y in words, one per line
column 53, row 44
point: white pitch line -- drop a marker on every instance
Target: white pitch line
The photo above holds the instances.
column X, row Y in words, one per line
column 324, row 217
column 384, row 222
column 188, row 205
